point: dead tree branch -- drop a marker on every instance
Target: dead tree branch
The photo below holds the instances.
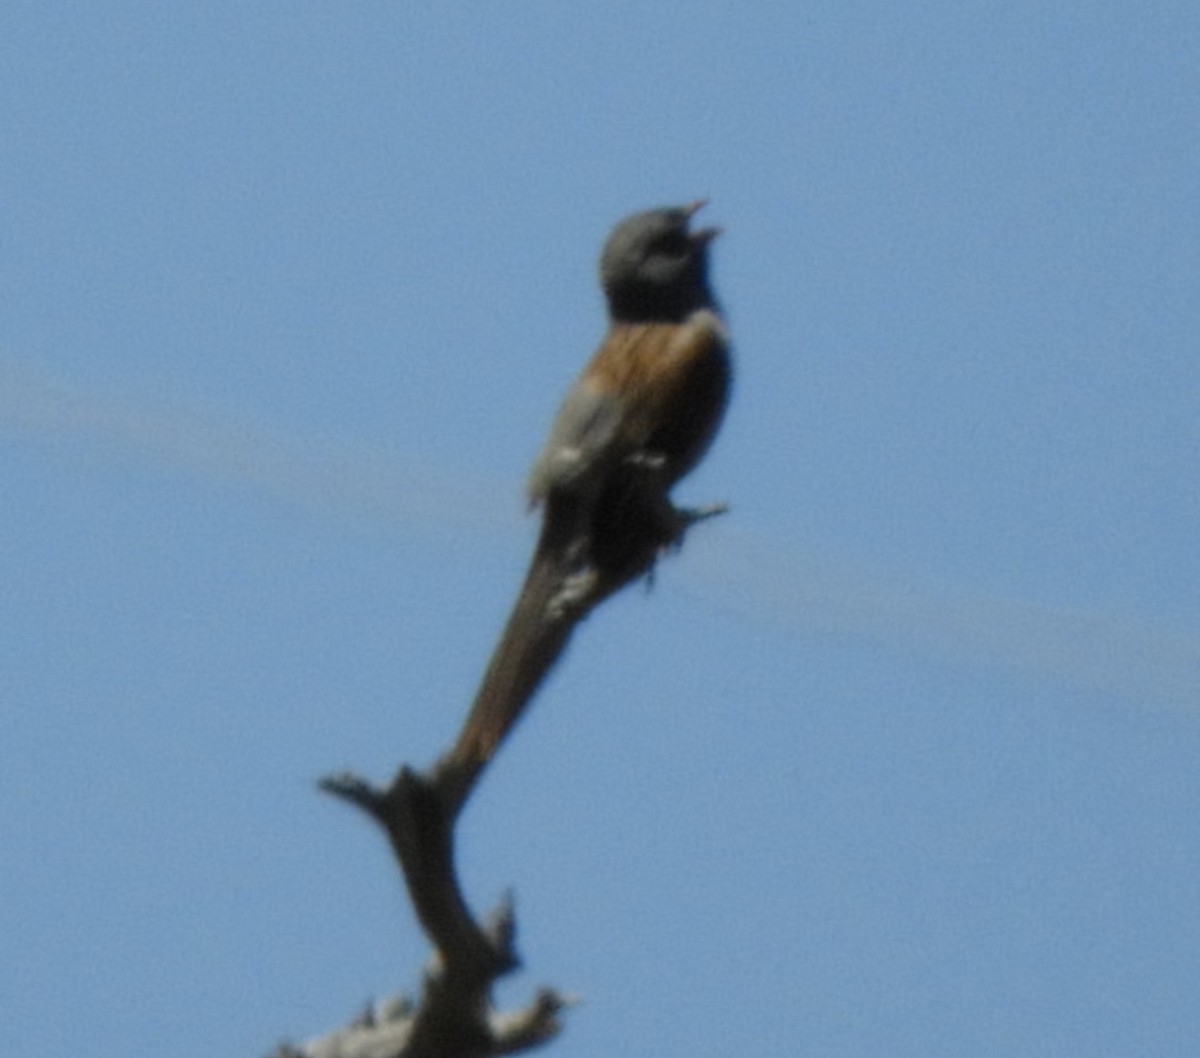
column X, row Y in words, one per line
column 582, row 557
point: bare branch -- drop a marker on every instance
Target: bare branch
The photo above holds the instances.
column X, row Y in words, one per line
column 584, row 554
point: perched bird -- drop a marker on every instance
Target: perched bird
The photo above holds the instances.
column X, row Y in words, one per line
column 649, row 401
column 639, row 417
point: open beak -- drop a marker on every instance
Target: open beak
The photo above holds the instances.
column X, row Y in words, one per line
column 701, row 235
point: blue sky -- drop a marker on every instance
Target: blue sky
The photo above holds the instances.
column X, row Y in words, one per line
column 899, row 757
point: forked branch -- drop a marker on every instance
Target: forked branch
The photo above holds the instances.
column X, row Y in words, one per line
column 580, row 560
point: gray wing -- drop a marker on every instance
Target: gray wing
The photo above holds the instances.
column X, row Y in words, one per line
column 580, row 442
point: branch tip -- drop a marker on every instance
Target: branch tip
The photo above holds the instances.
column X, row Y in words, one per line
column 354, row 789
column 501, row 928
column 534, row 1024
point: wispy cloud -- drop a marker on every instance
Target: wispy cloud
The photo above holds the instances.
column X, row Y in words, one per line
column 336, row 481
column 767, row 578
column 1135, row 660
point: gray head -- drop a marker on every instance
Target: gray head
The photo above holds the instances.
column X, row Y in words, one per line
column 653, row 269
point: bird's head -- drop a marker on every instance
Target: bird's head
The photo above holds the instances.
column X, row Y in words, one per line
column 654, row 268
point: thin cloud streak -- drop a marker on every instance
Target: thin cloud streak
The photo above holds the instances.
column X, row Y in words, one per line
column 1137, row 662
column 366, row 485
column 762, row 577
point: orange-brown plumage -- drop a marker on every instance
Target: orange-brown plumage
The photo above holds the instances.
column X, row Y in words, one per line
column 671, row 379
column 654, row 392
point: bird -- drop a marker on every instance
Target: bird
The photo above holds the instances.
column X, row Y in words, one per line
column 648, row 403
column 640, row 415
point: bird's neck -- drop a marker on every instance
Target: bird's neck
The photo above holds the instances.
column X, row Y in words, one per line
column 658, row 304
